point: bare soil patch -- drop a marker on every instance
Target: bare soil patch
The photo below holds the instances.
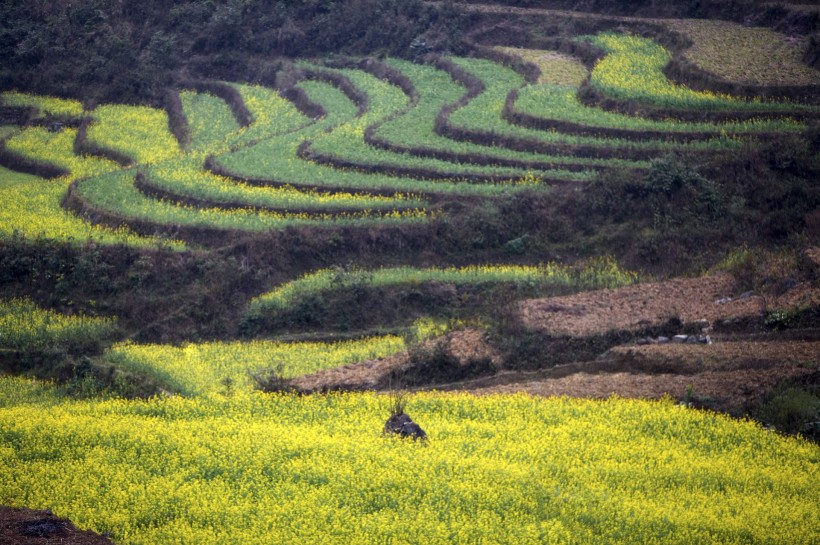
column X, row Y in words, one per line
column 29, row 527
column 709, row 298
column 466, row 346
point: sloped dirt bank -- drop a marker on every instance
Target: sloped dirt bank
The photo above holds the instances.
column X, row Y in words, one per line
column 29, row 527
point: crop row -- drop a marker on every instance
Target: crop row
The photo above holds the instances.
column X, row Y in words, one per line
column 633, row 70
column 207, row 368
column 27, row 327
column 197, row 199
column 347, row 146
column 553, row 106
column 115, row 197
column 415, row 133
column 254, row 468
column 601, row 273
column 275, row 161
column 185, row 182
column 481, row 119
column 31, row 207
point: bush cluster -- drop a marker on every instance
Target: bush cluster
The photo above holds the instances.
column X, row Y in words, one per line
column 107, row 50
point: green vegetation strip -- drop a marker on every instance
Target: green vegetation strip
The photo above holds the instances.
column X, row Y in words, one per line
column 210, row 121
column 271, row 114
column 553, row 104
column 346, row 146
column 47, row 106
column 116, row 195
column 25, row 326
column 482, row 120
column 600, row 273
column 260, row 468
column 414, row 132
column 633, row 70
column 275, row 162
column 139, row 132
column 185, row 181
column 207, row 368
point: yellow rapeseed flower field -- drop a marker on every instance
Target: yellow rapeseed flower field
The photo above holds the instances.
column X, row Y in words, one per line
column 31, row 207
column 202, row 368
column 261, row 468
column 45, row 105
column 25, row 326
column 140, row 132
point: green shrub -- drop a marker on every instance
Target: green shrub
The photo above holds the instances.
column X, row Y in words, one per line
column 792, row 410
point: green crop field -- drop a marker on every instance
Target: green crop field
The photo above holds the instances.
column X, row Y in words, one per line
column 139, row 132
column 275, row 160
column 31, row 207
column 347, row 144
column 484, row 115
column 210, row 120
column 633, row 69
column 271, row 113
column 415, row 130
column 187, row 179
column 604, row 273
column 560, row 103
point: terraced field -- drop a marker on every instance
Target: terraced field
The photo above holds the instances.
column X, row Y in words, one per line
column 391, row 138
column 345, row 231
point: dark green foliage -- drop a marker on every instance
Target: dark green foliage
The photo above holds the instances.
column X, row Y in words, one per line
column 793, row 409
column 435, row 364
column 112, row 51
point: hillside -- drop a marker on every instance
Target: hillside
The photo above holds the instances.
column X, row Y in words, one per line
column 224, row 221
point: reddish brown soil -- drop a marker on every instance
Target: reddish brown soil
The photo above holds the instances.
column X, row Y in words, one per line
column 28, row 527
